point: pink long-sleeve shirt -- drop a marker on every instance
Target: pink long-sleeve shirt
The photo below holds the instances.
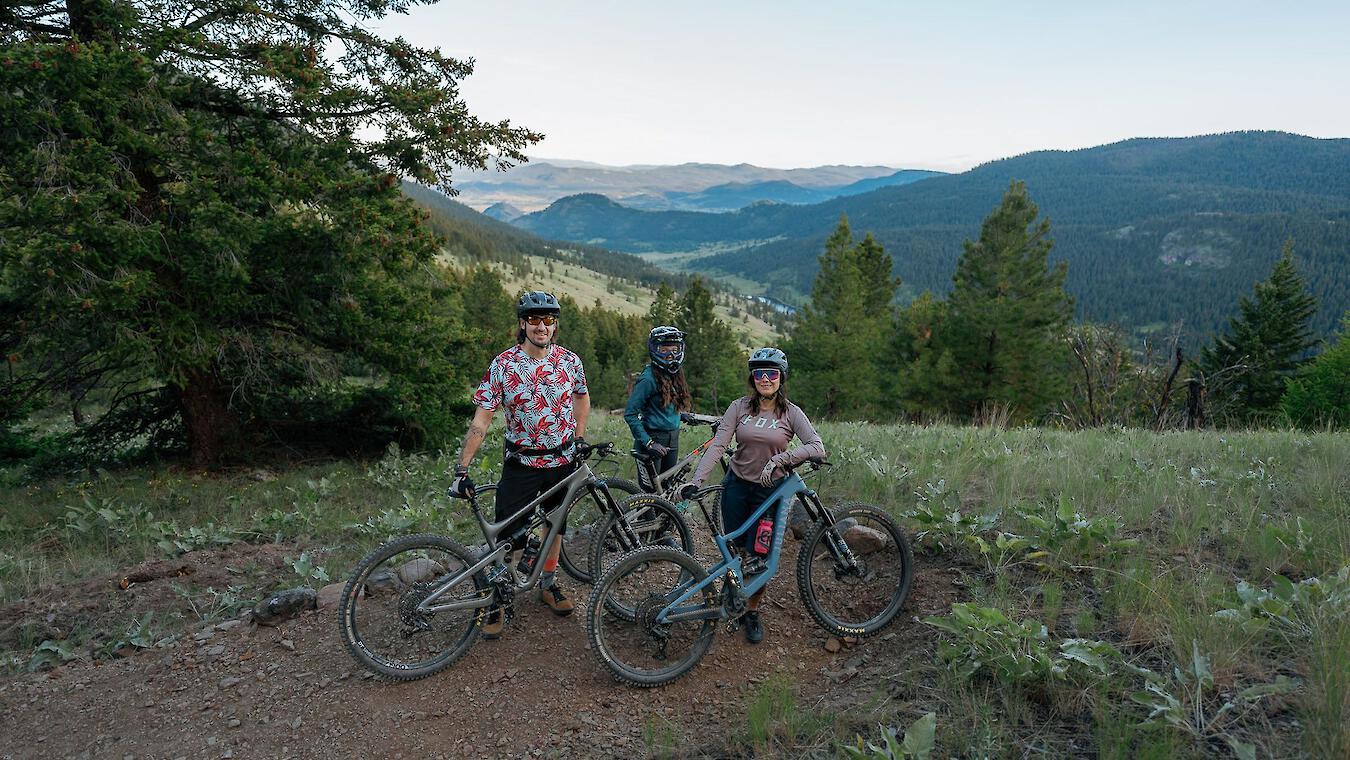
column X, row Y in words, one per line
column 758, row 439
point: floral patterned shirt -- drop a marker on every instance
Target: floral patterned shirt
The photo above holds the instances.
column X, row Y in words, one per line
column 537, row 395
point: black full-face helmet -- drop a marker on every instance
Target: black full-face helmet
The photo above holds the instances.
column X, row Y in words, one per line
column 666, row 335
column 538, row 302
column 769, row 358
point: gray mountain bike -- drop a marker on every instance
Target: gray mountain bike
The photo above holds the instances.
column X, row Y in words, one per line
column 416, row 604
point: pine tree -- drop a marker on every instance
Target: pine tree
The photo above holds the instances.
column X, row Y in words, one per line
column 1267, row 342
column 489, row 317
column 202, row 215
column 713, row 364
column 1320, row 393
column 665, row 309
column 836, row 348
column 1006, row 314
column 918, row 376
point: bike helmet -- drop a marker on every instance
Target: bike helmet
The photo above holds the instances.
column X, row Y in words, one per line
column 661, row 336
column 769, row 358
column 538, row 302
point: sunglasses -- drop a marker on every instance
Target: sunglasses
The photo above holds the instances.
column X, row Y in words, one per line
column 765, row 374
column 547, row 319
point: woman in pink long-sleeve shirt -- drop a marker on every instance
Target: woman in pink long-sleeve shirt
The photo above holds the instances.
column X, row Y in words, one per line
column 764, row 424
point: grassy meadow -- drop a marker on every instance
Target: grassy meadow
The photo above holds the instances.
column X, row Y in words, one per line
column 1130, row 594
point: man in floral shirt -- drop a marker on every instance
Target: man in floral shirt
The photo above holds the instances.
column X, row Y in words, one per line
column 542, row 387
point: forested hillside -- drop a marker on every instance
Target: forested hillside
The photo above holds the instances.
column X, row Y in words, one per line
column 477, row 237
column 1155, row 230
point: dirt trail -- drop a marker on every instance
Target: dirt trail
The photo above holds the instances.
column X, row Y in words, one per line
column 293, row 691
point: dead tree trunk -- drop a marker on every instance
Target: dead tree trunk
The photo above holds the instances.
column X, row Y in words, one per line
column 1195, row 404
column 1161, row 408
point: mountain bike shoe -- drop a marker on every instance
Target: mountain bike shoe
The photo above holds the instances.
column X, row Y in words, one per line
column 754, row 629
column 556, row 600
column 493, row 624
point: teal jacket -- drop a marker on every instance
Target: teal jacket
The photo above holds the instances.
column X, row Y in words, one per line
column 645, row 411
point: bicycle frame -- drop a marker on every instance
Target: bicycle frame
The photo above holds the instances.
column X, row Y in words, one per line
column 792, row 487
column 663, row 482
column 582, row 479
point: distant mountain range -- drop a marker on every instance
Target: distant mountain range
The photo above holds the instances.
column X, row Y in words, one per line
column 737, row 195
column 1156, row 230
column 693, row 187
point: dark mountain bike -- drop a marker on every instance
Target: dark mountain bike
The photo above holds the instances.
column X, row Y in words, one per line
column 654, row 486
column 654, row 612
column 415, row 604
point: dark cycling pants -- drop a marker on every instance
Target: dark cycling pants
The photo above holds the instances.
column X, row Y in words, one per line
column 520, row 485
column 740, row 499
column 671, row 440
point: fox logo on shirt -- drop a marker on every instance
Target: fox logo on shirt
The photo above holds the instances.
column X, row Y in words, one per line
column 760, row 422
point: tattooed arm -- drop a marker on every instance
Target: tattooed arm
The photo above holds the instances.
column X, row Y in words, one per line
column 478, row 429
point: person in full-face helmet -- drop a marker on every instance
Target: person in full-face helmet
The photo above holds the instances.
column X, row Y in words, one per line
column 542, row 388
column 658, row 397
column 764, row 423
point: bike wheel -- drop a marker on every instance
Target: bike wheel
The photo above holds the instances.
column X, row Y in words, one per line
column 854, row 573
column 378, row 616
column 643, row 520
column 640, row 651
column 583, row 524
column 622, row 488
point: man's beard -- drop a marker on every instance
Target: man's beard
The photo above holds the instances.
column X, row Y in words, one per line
column 536, row 343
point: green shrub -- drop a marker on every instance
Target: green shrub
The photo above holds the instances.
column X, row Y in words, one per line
column 917, row 743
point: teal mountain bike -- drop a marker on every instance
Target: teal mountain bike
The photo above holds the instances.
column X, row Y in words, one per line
column 653, row 613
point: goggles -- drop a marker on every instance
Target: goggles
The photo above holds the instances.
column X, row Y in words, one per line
column 669, row 349
column 768, row 375
column 535, row 319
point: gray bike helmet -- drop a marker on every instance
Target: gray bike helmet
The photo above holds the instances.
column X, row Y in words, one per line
column 769, row 358
column 666, row 335
column 538, row 302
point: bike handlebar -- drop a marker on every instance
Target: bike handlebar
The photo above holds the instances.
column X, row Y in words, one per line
column 690, row 418
column 816, row 464
column 603, row 449
column 584, row 452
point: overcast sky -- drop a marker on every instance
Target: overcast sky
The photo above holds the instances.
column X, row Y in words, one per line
column 914, row 85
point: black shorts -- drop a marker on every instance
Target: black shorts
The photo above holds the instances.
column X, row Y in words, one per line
column 520, row 485
column 740, row 499
column 671, row 440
